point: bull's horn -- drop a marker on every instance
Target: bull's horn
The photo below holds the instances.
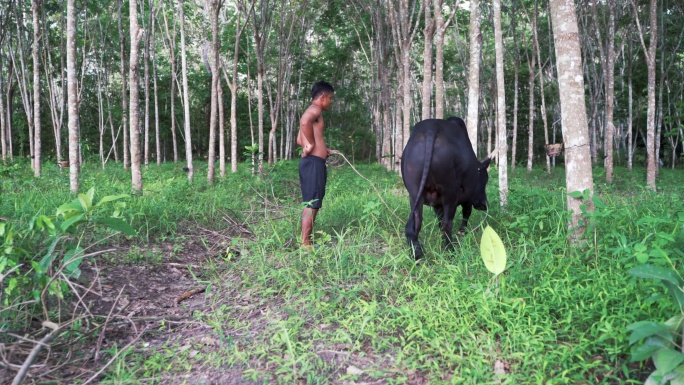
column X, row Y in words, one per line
column 496, row 150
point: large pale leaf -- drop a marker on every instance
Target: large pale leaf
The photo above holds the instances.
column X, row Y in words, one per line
column 110, row 198
column 656, row 272
column 643, row 329
column 666, row 360
column 493, row 251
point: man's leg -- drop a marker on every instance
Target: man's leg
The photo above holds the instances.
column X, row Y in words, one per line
column 308, row 218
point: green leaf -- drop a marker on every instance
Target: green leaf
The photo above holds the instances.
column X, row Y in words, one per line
column 576, row 194
column 111, row 198
column 598, row 202
column 677, row 376
column 71, row 221
column 643, row 329
column 70, row 208
column 643, row 352
column 89, row 197
column 118, row 225
column 676, row 292
column 656, row 272
column 72, row 260
column 666, row 360
column 49, row 257
column 493, row 251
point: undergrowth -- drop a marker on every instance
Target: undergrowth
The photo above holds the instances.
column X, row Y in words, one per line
column 357, row 307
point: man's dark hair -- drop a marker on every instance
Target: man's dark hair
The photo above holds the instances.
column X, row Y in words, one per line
column 321, row 88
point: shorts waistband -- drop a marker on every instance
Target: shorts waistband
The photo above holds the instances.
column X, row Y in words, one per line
column 314, row 157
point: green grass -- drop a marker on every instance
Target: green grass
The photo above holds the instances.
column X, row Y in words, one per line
column 559, row 316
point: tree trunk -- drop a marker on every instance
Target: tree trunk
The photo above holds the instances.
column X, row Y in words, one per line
column 610, row 92
column 650, row 54
column 429, row 34
column 124, row 91
column 171, row 38
column 578, row 174
column 500, row 105
column 531, row 62
column 3, row 126
column 136, row 35
column 541, row 89
column 35, row 5
column 186, row 95
column 474, row 72
column 146, row 83
column 154, row 86
column 72, row 86
column 516, row 66
column 215, row 78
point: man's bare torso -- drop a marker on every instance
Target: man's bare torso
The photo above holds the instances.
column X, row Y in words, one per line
column 313, row 116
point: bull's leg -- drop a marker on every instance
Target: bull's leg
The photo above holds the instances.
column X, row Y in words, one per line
column 413, row 226
column 447, row 222
column 467, row 210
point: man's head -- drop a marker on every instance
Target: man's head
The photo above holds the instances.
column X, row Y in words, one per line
column 324, row 91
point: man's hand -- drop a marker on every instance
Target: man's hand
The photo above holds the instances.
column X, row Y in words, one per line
column 332, row 152
column 306, row 149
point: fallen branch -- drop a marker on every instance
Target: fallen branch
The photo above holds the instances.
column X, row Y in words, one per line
column 34, row 353
column 189, row 294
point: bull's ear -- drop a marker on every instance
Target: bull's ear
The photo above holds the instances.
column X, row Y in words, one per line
column 485, row 163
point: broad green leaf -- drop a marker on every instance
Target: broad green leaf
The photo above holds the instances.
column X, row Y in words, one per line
column 666, row 360
column 676, row 292
column 493, row 251
column 118, row 225
column 110, row 198
column 576, row 194
column 71, row 208
column 643, row 352
column 656, row 272
column 71, row 221
column 598, row 202
column 643, row 329
column 2, row 228
column 72, row 260
column 677, row 376
column 49, row 257
column 84, row 202
column 89, row 197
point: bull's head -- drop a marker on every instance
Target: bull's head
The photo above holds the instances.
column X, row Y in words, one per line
column 480, row 199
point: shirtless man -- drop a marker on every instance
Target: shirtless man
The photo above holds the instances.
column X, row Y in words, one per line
column 312, row 171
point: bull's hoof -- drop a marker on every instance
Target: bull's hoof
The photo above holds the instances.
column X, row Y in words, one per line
column 417, row 252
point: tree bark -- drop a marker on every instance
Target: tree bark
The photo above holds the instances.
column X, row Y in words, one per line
column 186, row 96
column 136, row 35
column 124, row 90
column 429, row 36
column 500, row 106
column 72, row 85
column 610, row 92
column 171, row 38
column 474, row 73
column 35, row 5
column 650, row 54
column 214, row 8
column 578, row 174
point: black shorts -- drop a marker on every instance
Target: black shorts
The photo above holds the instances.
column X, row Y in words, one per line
column 312, row 178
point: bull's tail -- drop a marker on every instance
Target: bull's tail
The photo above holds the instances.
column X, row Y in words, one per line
column 430, row 136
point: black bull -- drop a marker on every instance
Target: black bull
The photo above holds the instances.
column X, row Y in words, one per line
column 440, row 169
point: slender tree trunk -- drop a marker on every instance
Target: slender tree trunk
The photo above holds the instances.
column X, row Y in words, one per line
column 146, row 83
column 72, row 86
column 35, row 5
column 3, row 127
column 474, row 72
column 136, row 35
column 501, row 105
column 610, row 92
column 650, row 54
column 171, row 37
column 154, row 86
column 541, row 90
column 186, row 96
column 516, row 65
column 429, row 34
column 124, row 90
column 578, row 174
column 215, row 78
column 530, row 125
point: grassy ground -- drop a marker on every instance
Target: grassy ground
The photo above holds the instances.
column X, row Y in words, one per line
column 358, row 309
